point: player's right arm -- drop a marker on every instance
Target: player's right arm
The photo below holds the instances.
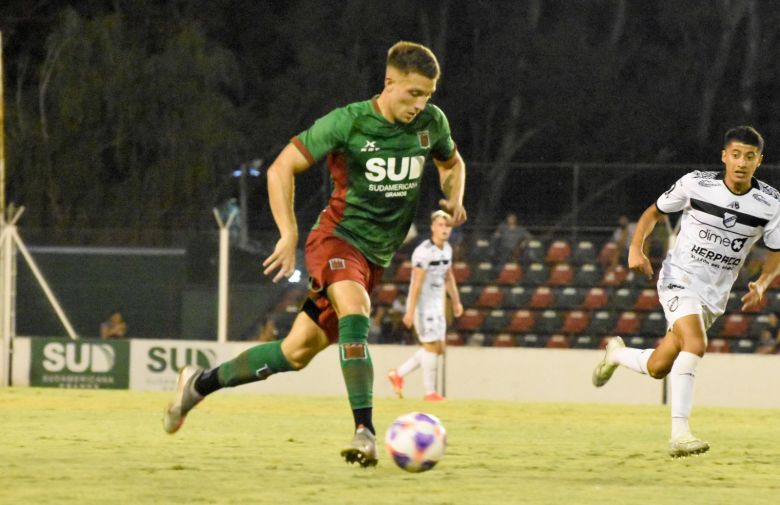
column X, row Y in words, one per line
column 418, row 276
column 637, row 259
column 281, row 192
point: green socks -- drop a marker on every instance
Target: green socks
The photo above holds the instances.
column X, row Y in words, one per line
column 355, row 360
column 254, row 364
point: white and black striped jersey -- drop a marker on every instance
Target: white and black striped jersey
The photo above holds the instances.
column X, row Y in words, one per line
column 717, row 231
column 436, row 263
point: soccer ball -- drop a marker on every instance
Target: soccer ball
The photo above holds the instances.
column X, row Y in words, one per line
column 416, row 441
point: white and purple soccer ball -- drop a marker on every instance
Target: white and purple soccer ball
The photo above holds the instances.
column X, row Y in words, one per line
column 416, row 441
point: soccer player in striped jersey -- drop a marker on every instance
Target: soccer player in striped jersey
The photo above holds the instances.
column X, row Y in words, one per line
column 723, row 215
column 375, row 151
column 431, row 277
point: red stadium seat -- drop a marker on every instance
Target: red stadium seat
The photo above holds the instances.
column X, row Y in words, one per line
column 575, row 322
column 387, row 294
column 504, row 340
column 735, row 326
column 595, row 299
column 522, row 321
column 718, row 345
column 627, row 323
column 561, row 275
column 558, row 252
column 647, row 300
column 558, row 342
column 461, row 271
column 454, row 338
column 614, row 276
column 542, row 298
column 510, row 274
column 470, row 320
column 609, row 255
column 490, row 297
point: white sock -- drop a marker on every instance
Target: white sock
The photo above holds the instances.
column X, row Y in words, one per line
column 430, row 364
column 633, row 359
column 681, row 379
column 411, row 364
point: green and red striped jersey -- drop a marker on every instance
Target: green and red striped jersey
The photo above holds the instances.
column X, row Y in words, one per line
column 375, row 169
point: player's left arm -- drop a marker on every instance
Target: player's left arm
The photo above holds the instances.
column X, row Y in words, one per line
column 452, row 177
column 451, row 285
column 757, row 288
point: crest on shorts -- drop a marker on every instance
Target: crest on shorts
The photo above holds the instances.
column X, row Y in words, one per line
column 337, row 264
column 424, row 138
column 673, row 304
column 729, row 219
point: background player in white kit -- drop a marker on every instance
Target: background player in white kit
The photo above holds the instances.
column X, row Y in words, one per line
column 425, row 307
column 724, row 214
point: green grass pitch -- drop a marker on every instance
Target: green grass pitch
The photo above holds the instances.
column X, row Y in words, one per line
column 107, row 447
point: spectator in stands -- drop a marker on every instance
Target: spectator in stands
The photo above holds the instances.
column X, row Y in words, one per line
column 769, row 340
column 113, row 327
column 509, row 239
column 622, row 237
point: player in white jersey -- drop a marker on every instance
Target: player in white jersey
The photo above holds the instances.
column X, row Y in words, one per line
column 723, row 215
column 431, row 277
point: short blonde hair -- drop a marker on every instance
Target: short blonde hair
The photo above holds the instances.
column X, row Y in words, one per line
column 440, row 213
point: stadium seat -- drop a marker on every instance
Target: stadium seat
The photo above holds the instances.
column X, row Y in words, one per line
column 609, row 254
column 504, row 340
column 533, row 252
column 647, row 300
column 602, row 323
column 517, row 297
column 477, row 340
column 531, row 340
column 584, row 342
column 510, row 274
column 387, row 294
column 558, row 342
column 404, row 272
column 773, row 301
column 454, row 338
column 640, row 342
column 522, row 321
column 614, row 276
column 470, row 320
column 639, row 280
column 716, row 327
column 535, row 274
column 584, row 252
column 483, row 273
column 575, row 322
column 623, row 298
column 549, row 322
column 480, row 251
column 468, row 296
column 653, row 325
column 595, row 298
column 569, row 298
column 559, row 251
column 461, row 271
column 760, row 323
column 490, row 297
column 735, row 326
column 718, row 345
column 627, row 323
column 561, row 274
column 744, row 346
column 734, row 304
column 542, row 298
column 495, row 321
column 587, row 275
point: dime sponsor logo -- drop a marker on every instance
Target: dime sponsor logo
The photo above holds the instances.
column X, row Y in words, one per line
column 174, row 358
column 736, row 244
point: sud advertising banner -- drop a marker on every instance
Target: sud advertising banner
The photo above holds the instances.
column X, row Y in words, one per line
column 86, row 364
column 155, row 364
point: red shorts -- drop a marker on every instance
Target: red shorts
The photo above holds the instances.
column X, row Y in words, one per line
column 330, row 259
